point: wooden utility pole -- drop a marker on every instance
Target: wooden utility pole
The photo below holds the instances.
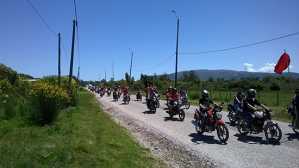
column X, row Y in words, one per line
column 72, row 56
column 59, row 60
column 131, row 66
column 112, row 71
column 177, row 52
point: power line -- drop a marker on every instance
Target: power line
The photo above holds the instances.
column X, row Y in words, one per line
column 41, row 18
column 241, row 46
column 166, row 59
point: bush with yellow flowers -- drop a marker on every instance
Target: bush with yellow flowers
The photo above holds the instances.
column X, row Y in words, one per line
column 47, row 100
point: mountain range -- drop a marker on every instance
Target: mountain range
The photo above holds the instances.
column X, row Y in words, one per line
column 205, row 74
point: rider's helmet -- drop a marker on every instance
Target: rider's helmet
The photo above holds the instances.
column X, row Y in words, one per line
column 251, row 93
column 205, row 94
column 240, row 95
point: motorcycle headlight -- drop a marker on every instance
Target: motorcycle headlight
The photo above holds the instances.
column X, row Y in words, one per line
column 218, row 116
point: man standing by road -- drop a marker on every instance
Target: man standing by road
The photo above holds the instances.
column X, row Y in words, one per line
column 295, row 103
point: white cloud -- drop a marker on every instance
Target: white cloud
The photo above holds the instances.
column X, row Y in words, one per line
column 248, row 67
column 268, row 67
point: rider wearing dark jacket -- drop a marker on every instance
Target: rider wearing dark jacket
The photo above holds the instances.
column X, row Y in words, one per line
column 251, row 105
column 295, row 104
column 239, row 102
column 205, row 101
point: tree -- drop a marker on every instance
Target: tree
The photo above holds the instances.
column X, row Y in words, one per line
column 274, row 87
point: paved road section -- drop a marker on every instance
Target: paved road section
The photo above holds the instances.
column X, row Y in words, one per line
column 239, row 152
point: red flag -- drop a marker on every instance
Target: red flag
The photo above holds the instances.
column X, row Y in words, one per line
column 283, row 63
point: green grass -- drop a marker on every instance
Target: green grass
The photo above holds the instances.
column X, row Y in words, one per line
column 82, row 136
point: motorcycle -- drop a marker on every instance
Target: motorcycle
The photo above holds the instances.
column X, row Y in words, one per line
column 175, row 108
column 138, row 96
column 153, row 103
column 185, row 102
column 109, row 92
column 126, row 99
column 233, row 115
column 115, row 96
column 211, row 120
column 102, row 93
column 261, row 122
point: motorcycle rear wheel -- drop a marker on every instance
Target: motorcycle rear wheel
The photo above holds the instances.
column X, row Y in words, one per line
column 273, row 133
column 222, row 133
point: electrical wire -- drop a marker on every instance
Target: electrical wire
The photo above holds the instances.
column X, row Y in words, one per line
column 41, row 18
column 241, row 46
column 166, row 59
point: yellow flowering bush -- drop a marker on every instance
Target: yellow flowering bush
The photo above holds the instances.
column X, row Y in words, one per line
column 47, row 99
column 72, row 92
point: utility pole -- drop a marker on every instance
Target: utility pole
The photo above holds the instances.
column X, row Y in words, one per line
column 113, row 70
column 59, row 62
column 78, row 74
column 177, row 52
column 72, row 56
column 105, row 76
column 131, row 66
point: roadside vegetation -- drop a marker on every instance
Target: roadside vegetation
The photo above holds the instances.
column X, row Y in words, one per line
column 275, row 92
column 43, row 125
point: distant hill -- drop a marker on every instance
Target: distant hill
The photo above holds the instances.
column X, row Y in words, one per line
column 10, row 74
column 229, row 74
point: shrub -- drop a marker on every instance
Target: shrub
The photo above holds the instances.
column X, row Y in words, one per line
column 72, row 92
column 7, row 101
column 193, row 95
column 8, row 73
column 47, row 100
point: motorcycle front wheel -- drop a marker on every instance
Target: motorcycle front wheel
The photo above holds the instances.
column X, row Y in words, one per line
column 273, row 132
column 296, row 130
column 222, row 133
column 187, row 105
column 242, row 126
column 230, row 118
column 182, row 115
column 199, row 126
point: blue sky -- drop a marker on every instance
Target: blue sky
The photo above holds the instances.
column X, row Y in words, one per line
column 109, row 28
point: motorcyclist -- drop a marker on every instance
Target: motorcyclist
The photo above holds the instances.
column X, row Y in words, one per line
column 205, row 102
column 251, row 106
column 239, row 102
column 183, row 93
column 125, row 90
column 167, row 93
column 294, row 110
column 173, row 98
column 138, row 95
